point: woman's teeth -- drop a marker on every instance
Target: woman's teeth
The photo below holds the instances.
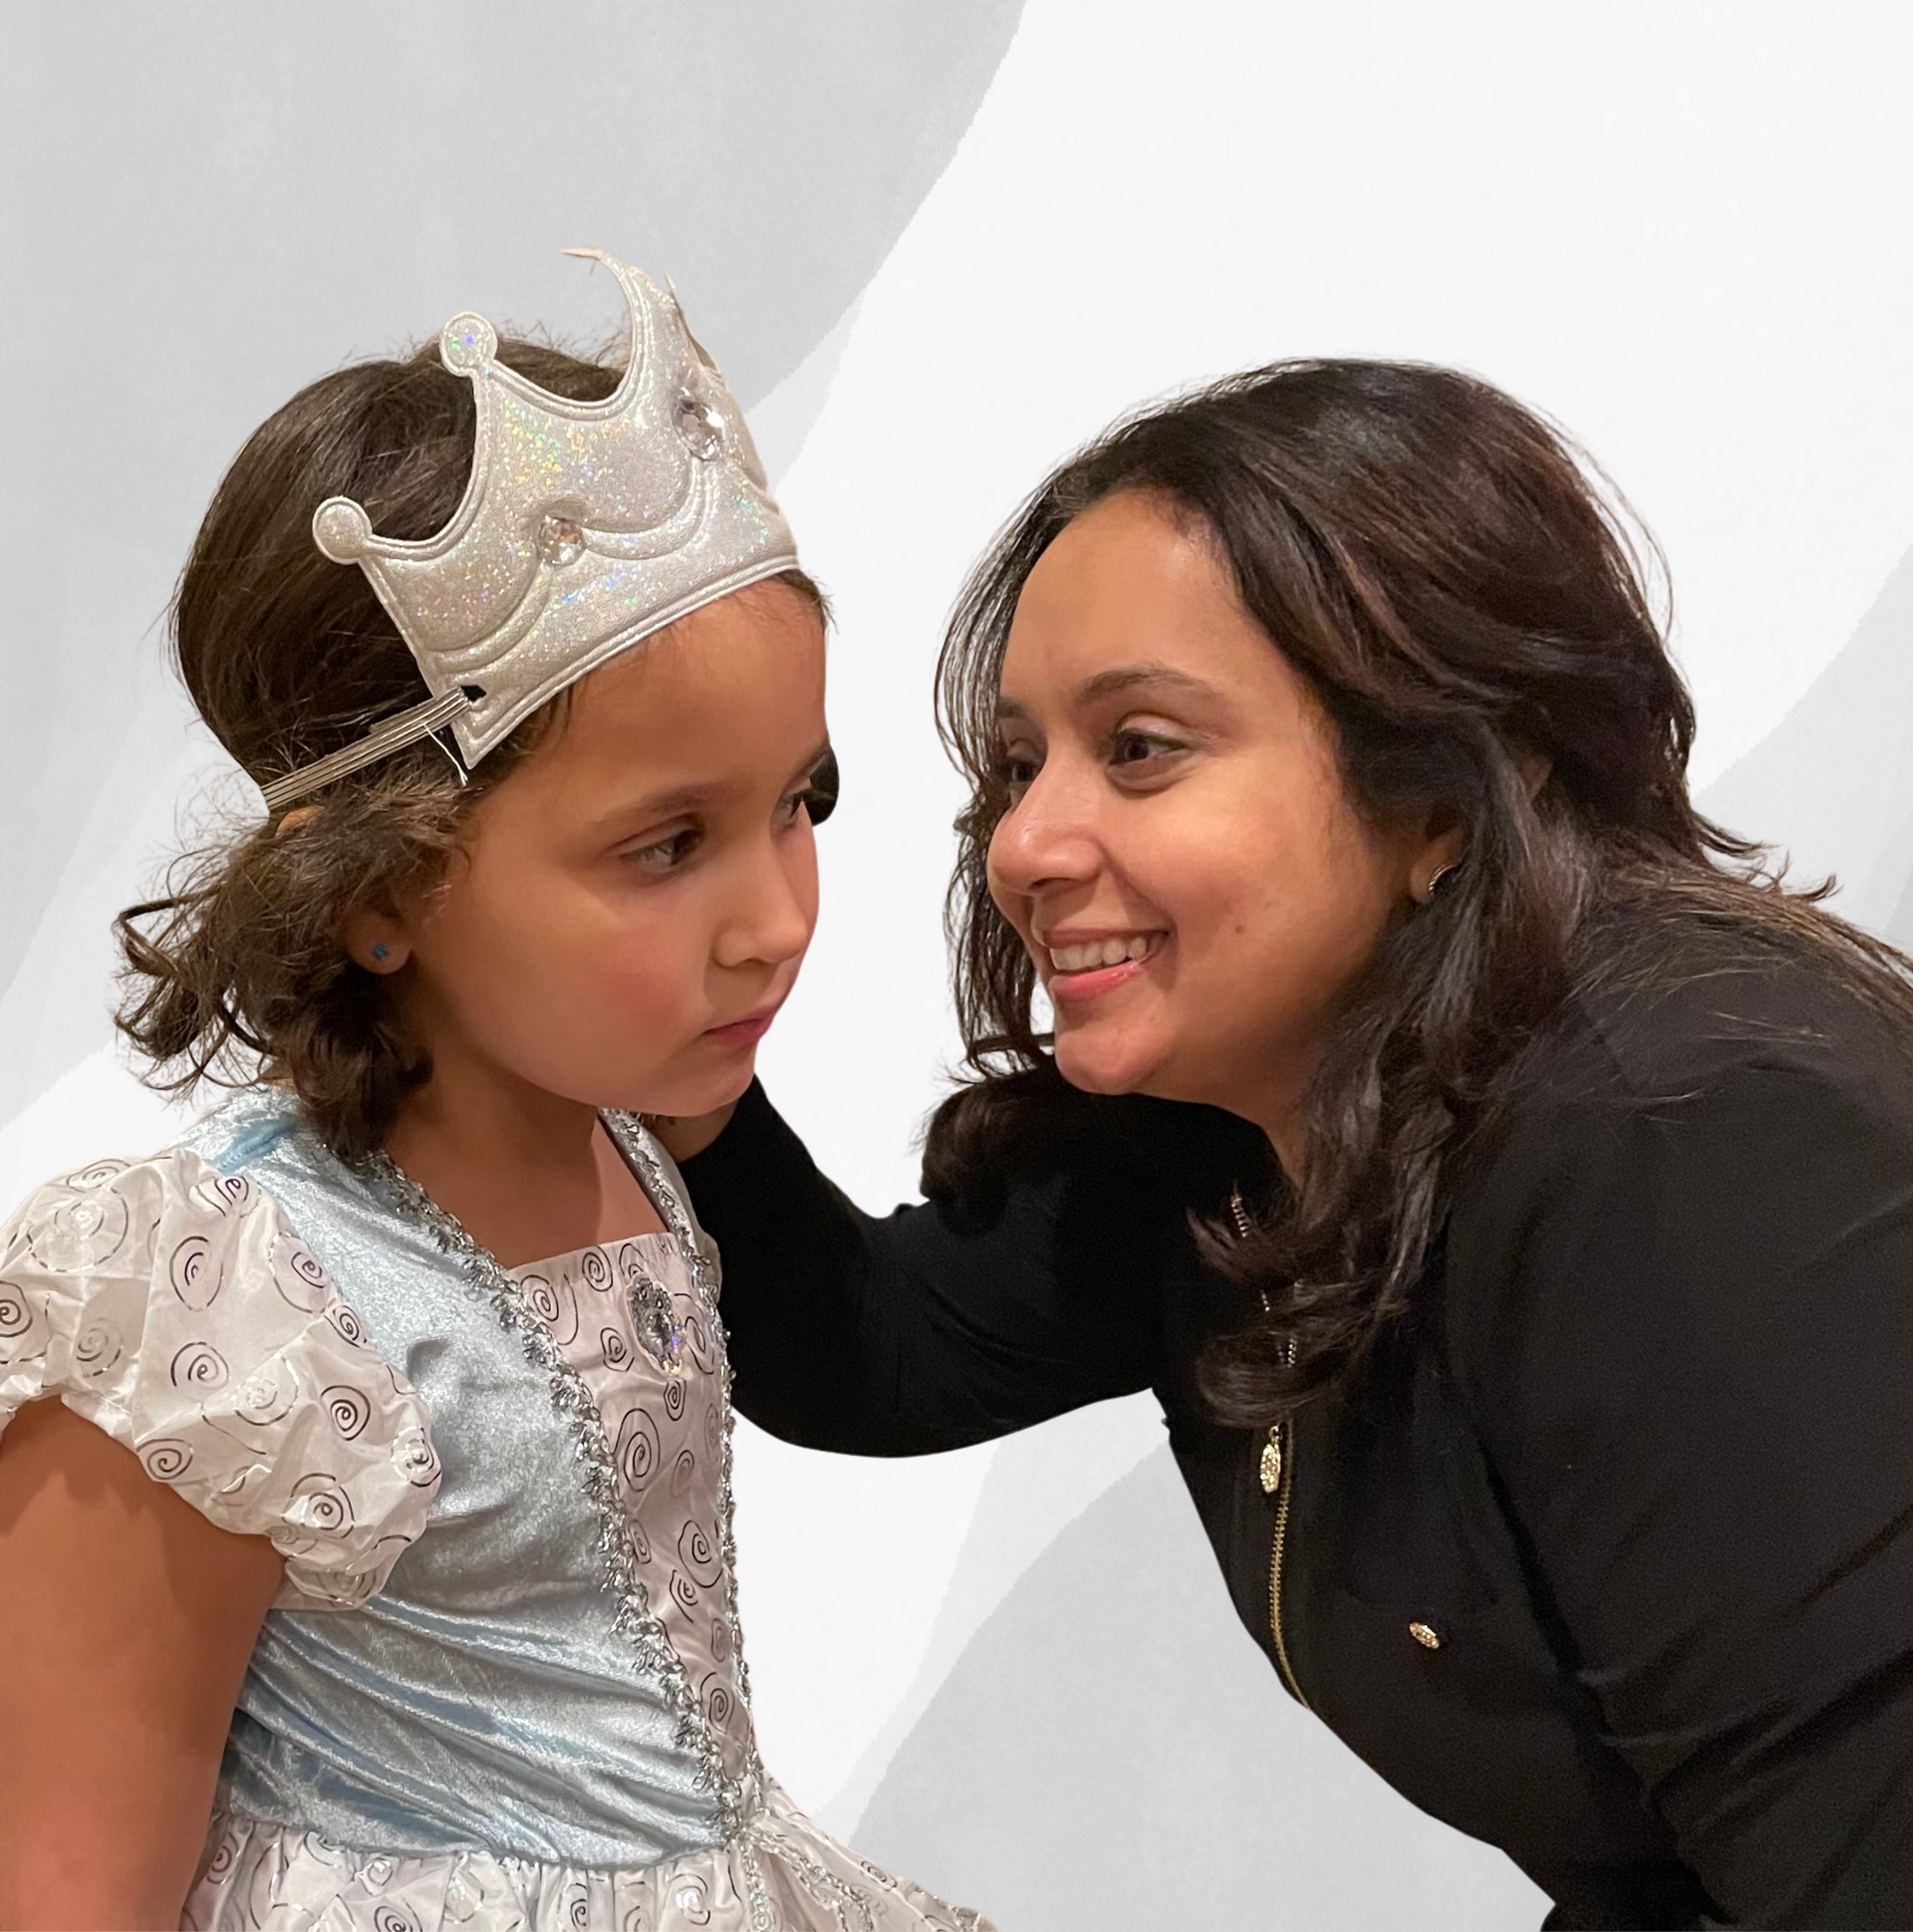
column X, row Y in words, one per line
column 1101, row 952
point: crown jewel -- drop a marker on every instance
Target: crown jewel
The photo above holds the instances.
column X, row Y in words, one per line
column 585, row 529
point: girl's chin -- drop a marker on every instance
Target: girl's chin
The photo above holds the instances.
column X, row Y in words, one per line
column 687, row 1099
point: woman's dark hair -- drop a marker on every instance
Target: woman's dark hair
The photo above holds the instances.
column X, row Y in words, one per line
column 1463, row 601
column 288, row 656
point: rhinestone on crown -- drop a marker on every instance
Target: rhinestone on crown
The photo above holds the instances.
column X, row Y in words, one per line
column 702, row 427
column 560, row 541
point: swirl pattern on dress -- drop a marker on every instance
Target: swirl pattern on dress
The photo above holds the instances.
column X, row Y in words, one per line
column 664, row 1412
column 781, row 1872
column 172, row 1304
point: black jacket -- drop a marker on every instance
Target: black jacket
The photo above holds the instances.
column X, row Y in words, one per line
column 1609, row 1559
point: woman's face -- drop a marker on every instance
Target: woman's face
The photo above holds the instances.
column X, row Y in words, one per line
column 1191, row 878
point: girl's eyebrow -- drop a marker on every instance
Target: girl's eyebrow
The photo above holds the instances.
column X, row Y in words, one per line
column 688, row 798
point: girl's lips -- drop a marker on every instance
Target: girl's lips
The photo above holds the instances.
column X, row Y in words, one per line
column 744, row 1033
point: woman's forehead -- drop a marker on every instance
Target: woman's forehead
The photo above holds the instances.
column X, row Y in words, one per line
column 1127, row 595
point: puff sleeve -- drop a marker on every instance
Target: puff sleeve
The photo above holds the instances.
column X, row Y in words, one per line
column 173, row 1307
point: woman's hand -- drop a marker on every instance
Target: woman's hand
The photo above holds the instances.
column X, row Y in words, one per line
column 128, row 1619
column 686, row 1135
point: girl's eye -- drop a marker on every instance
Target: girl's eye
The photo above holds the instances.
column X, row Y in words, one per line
column 667, row 854
column 819, row 795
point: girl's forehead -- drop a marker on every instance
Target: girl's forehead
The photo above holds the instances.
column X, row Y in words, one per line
column 724, row 703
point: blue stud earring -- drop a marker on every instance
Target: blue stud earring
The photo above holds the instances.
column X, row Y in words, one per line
column 382, row 950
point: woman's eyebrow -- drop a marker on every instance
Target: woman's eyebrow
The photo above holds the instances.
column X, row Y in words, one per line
column 1122, row 677
column 1118, row 678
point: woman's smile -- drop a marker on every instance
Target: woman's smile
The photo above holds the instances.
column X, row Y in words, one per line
column 1076, row 964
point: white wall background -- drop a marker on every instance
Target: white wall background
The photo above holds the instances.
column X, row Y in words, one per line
column 936, row 247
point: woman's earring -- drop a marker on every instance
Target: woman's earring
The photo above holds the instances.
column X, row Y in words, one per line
column 383, row 952
column 1438, row 877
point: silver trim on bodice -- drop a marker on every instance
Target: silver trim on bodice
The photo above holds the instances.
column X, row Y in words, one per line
column 636, row 1619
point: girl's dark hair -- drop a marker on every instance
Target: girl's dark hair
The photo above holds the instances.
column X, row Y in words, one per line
column 1442, row 569
column 289, row 657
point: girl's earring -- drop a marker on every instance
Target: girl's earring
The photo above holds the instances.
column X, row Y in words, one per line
column 383, row 952
column 1438, row 878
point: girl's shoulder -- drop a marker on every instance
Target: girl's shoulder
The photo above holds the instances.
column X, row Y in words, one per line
column 171, row 1302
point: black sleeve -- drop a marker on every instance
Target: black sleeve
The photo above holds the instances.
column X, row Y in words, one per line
column 1697, row 1386
column 932, row 1326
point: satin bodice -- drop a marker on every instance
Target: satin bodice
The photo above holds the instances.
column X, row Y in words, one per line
column 553, row 1669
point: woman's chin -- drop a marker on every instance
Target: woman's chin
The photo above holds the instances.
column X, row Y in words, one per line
column 1102, row 1066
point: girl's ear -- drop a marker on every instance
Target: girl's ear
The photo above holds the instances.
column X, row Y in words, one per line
column 375, row 941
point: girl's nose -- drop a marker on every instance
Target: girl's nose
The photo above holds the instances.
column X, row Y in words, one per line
column 776, row 908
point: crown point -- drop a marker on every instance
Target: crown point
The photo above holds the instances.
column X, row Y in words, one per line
column 342, row 530
column 469, row 342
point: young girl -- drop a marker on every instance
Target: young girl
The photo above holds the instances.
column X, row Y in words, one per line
column 366, row 1480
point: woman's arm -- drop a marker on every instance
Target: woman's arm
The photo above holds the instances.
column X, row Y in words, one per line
column 935, row 1326
column 1697, row 1385
column 129, row 1620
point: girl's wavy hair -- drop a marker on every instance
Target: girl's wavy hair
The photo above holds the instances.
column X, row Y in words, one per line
column 1459, row 592
column 238, row 969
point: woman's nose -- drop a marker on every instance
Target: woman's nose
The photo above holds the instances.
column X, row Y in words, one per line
column 1046, row 839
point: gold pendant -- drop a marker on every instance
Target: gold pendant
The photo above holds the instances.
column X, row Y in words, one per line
column 1273, row 1461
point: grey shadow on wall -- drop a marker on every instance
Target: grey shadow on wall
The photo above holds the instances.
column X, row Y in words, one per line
column 1833, row 783
column 1202, row 1796
column 210, row 207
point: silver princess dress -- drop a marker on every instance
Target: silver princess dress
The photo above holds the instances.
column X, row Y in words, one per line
column 503, row 1685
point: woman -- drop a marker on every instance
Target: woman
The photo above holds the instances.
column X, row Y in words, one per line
column 1530, row 1293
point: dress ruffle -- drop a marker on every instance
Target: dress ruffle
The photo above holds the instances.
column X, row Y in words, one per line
column 780, row 1873
column 173, row 1307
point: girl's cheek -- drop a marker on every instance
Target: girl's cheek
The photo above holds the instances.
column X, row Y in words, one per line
column 649, row 986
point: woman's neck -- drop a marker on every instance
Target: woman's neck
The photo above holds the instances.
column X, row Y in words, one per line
column 528, row 1174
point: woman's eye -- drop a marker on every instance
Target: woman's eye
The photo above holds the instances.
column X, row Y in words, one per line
column 1016, row 772
column 1133, row 748
column 667, row 854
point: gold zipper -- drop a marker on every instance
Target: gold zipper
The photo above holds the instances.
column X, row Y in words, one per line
column 1286, row 1460
column 1278, row 1480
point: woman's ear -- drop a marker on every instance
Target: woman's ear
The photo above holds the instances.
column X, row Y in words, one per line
column 1535, row 767
column 1438, row 857
column 375, row 941
column 1440, row 848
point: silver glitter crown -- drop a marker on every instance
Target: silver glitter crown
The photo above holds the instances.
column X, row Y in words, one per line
column 586, row 527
